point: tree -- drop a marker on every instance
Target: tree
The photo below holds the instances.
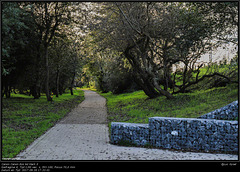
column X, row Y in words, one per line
column 48, row 18
column 222, row 22
column 223, row 16
column 57, row 53
column 40, row 43
column 46, row 40
column 105, row 67
column 148, row 34
column 15, row 30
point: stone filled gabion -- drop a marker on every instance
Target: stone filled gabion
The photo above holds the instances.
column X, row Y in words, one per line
column 137, row 134
column 194, row 134
column 228, row 112
column 181, row 133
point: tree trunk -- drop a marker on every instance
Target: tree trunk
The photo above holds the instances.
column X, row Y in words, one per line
column 47, row 74
column 6, row 87
column 184, row 78
column 150, row 92
column 36, row 86
column 165, row 71
column 7, row 91
column 71, row 90
column 57, row 83
column 72, row 83
column 147, row 79
column 33, row 91
column 161, row 91
column 146, row 87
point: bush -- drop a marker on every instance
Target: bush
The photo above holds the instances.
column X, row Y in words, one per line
column 120, row 82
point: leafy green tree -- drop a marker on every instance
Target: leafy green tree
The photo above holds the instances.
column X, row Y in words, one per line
column 28, row 31
column 155, row 36
column 15, row 32
column 48, row 17
column 223, row 16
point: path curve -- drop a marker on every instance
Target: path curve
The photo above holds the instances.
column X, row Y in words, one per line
column 83, row 135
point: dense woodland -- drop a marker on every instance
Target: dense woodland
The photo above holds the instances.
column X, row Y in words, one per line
column 48, row 47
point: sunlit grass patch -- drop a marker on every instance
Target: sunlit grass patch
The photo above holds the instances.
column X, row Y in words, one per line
column 24, row 119
column 136, row 107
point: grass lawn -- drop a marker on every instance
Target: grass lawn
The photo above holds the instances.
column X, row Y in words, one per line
column 137, row 108
column 24, row 119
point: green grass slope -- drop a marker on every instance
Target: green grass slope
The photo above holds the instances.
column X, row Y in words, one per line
column 24, row 119
column 137, row 108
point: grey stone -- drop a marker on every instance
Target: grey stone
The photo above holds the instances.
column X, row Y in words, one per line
column 174, row 133
column 204, row 133
column 228, row 112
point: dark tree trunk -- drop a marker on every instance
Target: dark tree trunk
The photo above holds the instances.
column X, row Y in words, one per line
column 146, row 87
column 36, row 86
column 6, row 87
column 151, row 93
column 57, row 83
column 72, row 83
column 47, row 75
column 7, row 91
column 145, row 79
column 184, row 78
column 34, row 91
column 165, row 69
column 71, row 90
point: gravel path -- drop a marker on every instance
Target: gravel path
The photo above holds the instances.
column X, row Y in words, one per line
column 83, row 135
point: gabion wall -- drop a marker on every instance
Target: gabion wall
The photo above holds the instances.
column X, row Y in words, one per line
column 194, row 134
column 179, row 133
column 228, row 112
column 137, row 134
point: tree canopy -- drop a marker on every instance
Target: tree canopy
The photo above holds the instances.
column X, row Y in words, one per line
column 48, row 47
